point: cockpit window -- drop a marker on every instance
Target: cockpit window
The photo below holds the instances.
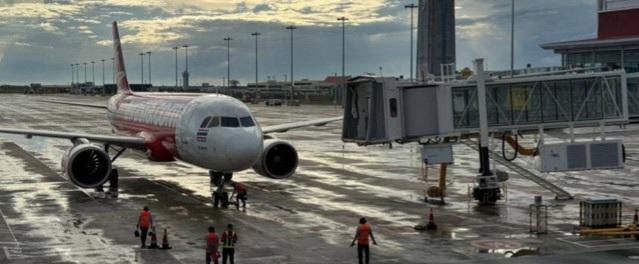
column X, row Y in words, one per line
column 205, row 122
column 247, row 121
column 215, row 121
column 230, row 122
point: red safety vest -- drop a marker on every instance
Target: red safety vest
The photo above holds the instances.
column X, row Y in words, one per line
column 363, row 230
column 145, row 219
column 240, row 189
column 211, row 242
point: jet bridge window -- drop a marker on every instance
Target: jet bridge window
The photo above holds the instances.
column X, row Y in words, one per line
column 247, row 121
column 215, row 121
column 205, row 122
column 230, row 122
column 393, row 107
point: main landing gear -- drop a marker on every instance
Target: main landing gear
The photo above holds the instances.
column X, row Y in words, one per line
column 114, row 177
column 219, row 180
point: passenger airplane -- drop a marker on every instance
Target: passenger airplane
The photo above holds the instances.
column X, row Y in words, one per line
column 215, row 132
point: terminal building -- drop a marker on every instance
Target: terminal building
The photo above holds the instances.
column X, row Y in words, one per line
column 616, row 45
column 304, row 87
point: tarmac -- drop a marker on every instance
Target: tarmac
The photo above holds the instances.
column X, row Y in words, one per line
column 308, row 218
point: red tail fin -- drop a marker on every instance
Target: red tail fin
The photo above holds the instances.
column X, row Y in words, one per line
column 120, row 75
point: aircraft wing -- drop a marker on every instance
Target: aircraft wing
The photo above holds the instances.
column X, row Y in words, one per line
column 266, row 130
column 100, row 106
column 286, row 127
column 122, row 141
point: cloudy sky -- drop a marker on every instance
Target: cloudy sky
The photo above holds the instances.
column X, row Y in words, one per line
column 40, row 39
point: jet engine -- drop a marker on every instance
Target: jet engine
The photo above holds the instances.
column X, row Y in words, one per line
column 87, row 165
column 278, row 160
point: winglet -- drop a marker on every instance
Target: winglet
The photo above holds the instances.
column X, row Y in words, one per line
column 123, row 82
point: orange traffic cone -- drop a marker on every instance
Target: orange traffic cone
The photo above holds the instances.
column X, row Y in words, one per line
column 431, row 221
column 165, row 241
column 154, row 241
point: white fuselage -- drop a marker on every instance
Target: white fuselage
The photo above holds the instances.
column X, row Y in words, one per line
column 216, row 132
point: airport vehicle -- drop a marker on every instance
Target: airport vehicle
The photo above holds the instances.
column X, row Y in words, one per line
column 215, row 132
column 273, row 102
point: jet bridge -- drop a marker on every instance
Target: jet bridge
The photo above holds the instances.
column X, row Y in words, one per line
column 385, row 110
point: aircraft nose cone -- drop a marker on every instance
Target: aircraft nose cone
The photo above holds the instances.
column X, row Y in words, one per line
column 241, row 150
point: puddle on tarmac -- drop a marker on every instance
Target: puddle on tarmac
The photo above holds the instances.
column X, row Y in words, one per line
column 513, row 253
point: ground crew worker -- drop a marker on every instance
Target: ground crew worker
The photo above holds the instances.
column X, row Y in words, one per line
column 229, row 238
column 361, row 236
column 240, row 194
column 145, row 221
column 212, row 245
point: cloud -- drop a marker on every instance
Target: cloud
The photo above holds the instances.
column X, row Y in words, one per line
column 72, row 31
column 47, row 26
column 41, row 11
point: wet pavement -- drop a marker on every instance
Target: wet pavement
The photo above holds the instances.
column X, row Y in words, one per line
column 309, row 218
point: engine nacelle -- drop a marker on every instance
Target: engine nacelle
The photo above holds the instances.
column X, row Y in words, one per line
column 87, row 165
column 278, row 160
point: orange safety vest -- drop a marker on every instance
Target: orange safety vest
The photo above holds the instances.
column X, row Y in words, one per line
column 145, row 219
column 211, row 242
column 363, row 231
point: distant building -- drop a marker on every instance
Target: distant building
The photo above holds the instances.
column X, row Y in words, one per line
column 304, row 87
column 435, row 37
column 336, row 80
column 617, row 42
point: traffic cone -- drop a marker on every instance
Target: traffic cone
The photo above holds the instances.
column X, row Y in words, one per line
column 636, row 218
column 154, row 241
column 431, row 221
column 165, row 241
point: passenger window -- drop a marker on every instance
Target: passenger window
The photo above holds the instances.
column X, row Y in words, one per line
column 205, row 122
column 247, row 121
column 215, row 122
column 230, row 122
column 393, row 107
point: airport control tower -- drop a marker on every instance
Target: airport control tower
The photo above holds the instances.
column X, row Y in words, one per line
column 435, row 36
column 185, row 80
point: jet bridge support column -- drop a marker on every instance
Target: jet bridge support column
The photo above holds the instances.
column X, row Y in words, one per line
column 487, row 190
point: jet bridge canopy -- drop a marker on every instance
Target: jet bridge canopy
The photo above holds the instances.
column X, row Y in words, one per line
column 383, row 110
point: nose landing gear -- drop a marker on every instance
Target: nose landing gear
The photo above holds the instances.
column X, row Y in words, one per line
column 219, row 181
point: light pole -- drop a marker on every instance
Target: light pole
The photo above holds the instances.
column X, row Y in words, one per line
column 85, row 72
column 93, row 72
column 77, row 73
column 149, row 53
column 228, row 61
column 291, row 28
column 186, row 54
column 256, row 34
column 141, row 67
column 343, row 19
column 412, row 8
column 103, row 88
column 176, row 65
column 72, row 75
column 512, row 38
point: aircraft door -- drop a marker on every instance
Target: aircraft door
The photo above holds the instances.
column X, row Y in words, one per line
column 186, row 131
